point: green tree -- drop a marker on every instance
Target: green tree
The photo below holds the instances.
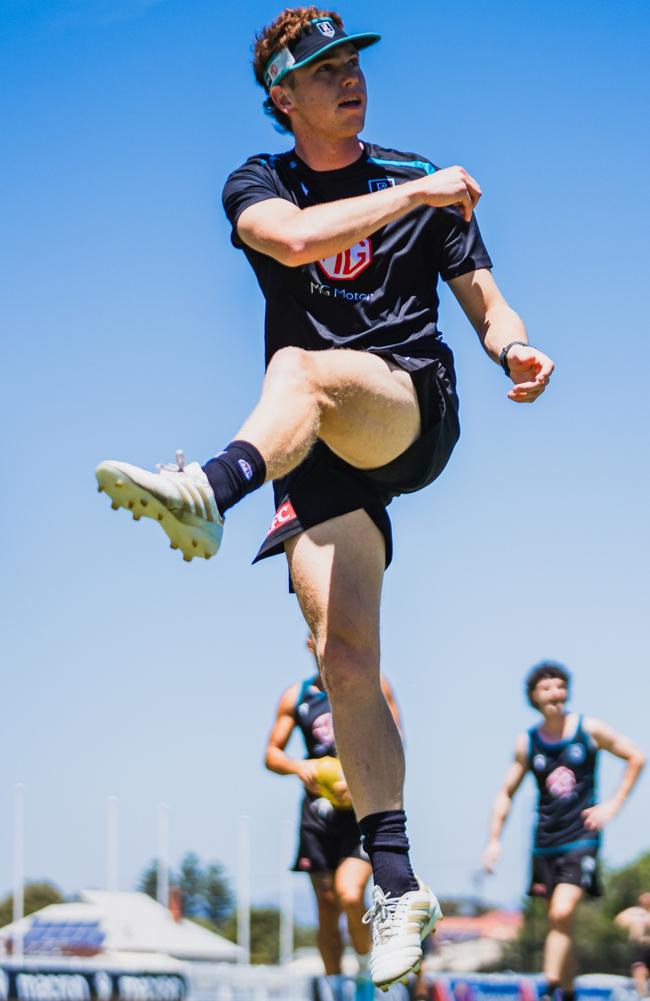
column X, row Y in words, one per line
column 206, row 895
column 217, row 894
column 148, row 882
column 37, row 894
column 191, row 882
column 265, row 934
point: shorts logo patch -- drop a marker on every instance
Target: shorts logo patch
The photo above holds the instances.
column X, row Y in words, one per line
column 381, row 183
column 284, row 514
column 349, row 263
column 561, row 782
column 304, row 864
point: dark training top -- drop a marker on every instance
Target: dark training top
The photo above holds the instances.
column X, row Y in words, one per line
column 565, row 773
column 313, row 716
column 379, row 295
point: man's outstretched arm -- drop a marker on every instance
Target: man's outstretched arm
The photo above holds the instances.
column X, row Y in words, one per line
column 503, row 802
column 293, row 236
column 497, row 326
column 609, row 740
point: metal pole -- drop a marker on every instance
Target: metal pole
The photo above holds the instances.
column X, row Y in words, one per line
column 286, row 914
column 163, row 855
column 112, row 844
column 244, row 891
column 19, row 865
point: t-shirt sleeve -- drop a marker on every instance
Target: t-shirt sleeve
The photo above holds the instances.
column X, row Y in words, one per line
column 249, row 184
column 460, row 245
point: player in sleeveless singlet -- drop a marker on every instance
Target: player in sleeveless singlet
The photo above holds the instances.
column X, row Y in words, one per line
column 347, row 239
column 329, row 840
column 561, row 753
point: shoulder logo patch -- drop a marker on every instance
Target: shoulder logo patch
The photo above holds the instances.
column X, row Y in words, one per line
column 380, row 183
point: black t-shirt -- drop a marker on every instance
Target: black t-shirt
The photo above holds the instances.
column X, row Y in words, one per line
column 565, row 773
column 379, row 295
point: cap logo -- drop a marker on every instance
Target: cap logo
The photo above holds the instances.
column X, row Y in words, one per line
column 326, row 28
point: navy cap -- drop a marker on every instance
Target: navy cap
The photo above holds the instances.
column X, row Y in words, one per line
column 317, row 37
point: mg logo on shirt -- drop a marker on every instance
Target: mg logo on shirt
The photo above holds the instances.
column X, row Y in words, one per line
column 349, row 263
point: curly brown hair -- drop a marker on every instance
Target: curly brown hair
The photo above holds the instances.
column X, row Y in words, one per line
column 286, row 29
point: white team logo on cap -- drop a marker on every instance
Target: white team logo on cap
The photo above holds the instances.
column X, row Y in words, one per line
column 326, row 28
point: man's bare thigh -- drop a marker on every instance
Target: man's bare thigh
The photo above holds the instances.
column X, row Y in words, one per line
column 337, row 569
column 371, row 413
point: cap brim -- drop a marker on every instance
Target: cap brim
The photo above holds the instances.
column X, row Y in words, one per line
column 360, row 41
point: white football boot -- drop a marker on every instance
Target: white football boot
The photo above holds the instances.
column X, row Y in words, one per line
column 179, row 497
column 399, row 924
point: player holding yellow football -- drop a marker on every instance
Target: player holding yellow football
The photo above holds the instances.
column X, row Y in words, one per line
column 329, row 848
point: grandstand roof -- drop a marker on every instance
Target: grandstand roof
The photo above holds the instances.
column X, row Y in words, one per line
column 104, row 922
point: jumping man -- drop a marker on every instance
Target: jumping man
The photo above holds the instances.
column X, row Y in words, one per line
column 347, row 240
column 561, row 753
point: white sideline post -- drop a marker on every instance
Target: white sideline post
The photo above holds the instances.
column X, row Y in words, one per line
column 286, row 913
column 112, row 844
column 244, row 891
column 19, row 865
column 162, row 880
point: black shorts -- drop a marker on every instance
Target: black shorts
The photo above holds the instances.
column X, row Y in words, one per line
column 324, row 486
column 579, row 868
column 326, row 837
column 641, row 955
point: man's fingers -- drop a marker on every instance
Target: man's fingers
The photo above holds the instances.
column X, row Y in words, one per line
column 526, row 392
column 467, row 204
column 474, row 189
column 546, row 370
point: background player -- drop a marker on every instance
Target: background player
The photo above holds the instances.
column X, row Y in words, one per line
column 561, row 752
column 347, row 240
column 636, row 921
column 329, row 846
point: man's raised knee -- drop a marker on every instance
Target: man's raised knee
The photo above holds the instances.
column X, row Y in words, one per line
column 292, row 367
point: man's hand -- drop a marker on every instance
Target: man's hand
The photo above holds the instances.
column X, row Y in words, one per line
column 595, row 817
column 306, row 772
column 530, row 370
column 491, row 856
column 452, row 186
column 342, row 793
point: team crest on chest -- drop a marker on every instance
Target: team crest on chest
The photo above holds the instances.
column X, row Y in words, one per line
column 349, row 263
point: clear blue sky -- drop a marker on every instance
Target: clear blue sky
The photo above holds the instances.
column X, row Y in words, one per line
column 132, row 327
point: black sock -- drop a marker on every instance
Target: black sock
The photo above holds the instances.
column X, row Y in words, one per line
column 385, row 841
column 235, row 472
column 567, row 995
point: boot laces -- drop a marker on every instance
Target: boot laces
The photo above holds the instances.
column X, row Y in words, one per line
column 384, row 915
column 173, row 467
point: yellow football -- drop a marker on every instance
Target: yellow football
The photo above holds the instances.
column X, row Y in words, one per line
column 328, row 776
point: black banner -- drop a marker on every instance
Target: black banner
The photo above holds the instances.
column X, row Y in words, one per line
column 48, row 983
